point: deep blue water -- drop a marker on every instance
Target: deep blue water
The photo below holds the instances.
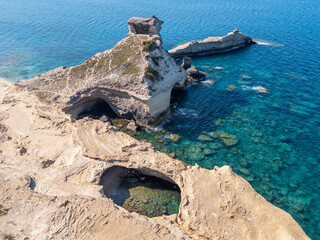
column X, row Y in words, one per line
column 278, row 150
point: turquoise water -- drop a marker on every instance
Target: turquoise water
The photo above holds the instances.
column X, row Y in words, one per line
column 147, row 195
column 277, row 133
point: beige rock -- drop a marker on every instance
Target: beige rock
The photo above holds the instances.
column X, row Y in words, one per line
column 65, row 201
column 211, row 45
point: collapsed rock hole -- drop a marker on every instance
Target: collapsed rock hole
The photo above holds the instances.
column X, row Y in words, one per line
column 141, row 191
column 93, row 108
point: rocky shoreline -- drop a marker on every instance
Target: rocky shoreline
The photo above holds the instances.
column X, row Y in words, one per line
column 57, row 169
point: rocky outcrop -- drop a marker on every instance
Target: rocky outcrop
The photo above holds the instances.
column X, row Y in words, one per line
column 51, row 166
column 195, row 74
column 139, row 25
column 211, row 45
column 135, row 78
column 186, row 63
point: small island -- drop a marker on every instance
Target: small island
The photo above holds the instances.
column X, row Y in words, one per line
column 212, row 45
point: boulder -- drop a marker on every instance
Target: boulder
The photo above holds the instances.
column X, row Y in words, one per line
column 196, row 74
column 186, row 63
column 211, row 45
column 132, row 126
column 139, row 25
column 135, row 78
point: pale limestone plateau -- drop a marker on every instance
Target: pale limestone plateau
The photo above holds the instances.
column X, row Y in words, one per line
column 212, row 45
column 51, row 165
column 135, row 78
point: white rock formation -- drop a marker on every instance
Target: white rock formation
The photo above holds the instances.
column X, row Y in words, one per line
column 135, row 78
column 211, row 45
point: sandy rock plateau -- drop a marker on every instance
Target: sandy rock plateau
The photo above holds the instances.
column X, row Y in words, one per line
column 51, row 166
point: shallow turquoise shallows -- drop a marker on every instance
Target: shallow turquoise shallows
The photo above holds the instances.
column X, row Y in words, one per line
column 273, row 136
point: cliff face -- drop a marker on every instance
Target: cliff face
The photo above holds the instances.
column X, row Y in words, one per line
column 51, row 166
column 211, row 45
column 135, row 78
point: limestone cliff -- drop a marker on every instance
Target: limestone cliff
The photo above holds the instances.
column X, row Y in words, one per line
column 135, row 78
column 211, row 45
column 50, row 168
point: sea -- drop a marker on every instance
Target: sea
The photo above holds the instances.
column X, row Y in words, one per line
column 260, row 114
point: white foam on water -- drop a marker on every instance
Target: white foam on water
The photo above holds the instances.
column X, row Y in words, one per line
column 186, row 112
column 268, row 43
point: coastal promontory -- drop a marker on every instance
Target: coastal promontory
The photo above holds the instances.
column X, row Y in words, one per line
column 135, row 78
column 57, row 170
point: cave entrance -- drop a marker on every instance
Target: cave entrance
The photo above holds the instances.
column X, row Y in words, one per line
column 93, row 108
column 177, row 96
column 98, row 109
column 136, row 191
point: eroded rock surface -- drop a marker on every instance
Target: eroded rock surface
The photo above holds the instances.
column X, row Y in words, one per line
column 139, row 25
column 135, row 78
column 212, row 45
column 50, row 168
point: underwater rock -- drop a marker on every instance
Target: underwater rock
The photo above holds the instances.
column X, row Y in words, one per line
column 231, row 87
column 134, row 78
column 175, row 137
column 211, row 45
column 227, row 138
column 208, row 151
column 295, row 76
column 146, row 201
column 203, row 137
column 215, row 145
column 194, row 153
column 244, row 171
column 285, row 147
column 244, row 163
column 218, row 122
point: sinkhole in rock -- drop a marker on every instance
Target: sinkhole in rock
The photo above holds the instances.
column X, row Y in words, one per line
column 143, row 191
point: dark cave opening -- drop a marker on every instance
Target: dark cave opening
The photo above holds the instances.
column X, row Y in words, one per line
column 99, row 109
